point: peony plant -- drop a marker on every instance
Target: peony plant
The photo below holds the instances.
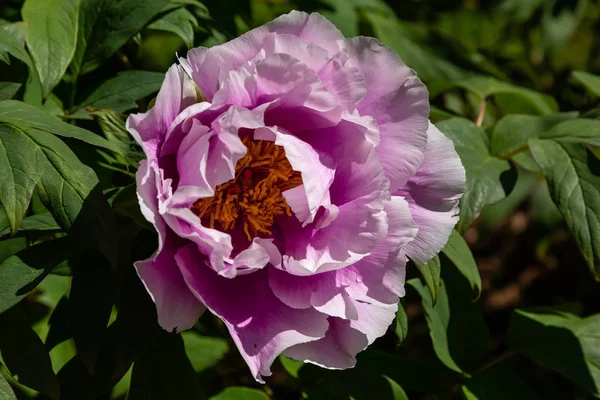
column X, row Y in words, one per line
column 290, row 174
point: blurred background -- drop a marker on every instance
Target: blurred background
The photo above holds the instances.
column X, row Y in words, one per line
column 535, row 56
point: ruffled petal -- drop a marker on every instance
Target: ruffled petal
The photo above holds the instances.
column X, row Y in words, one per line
column 317, row 172
column 209, row 67
column 398, row 101
column 261, row 326
column 346, row 338
column 433, row 194
column 176, row 306
column 176, row 93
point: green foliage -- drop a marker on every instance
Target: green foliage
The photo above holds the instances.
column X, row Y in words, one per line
column 513, row 83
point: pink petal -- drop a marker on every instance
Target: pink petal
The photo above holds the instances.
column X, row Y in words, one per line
column 209, row 67
column 261, row 326
column 398, row 101
column 176, row 93
column 317, row 172
column 176, row 306
column 433, row 194
column 343, row 80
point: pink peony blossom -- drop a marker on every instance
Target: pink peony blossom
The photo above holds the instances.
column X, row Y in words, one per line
column 289, row 174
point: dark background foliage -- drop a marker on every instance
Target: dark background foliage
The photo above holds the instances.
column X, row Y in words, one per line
column 509, row 310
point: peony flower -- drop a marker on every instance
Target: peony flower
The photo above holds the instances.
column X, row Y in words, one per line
column 289, row 174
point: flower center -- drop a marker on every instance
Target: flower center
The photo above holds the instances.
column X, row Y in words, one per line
column 254, row 196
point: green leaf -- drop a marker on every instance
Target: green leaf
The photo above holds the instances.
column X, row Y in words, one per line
column 459, row 253
column 37, row 222
column 576, row 131
column 240, row 393
column 291, row 366
column 431, row 275
column 8, row 90
column 51, row 37
column 9, row 45
column 180, row 22
column 590, row 81
column 163, row 370
column 6, row 392
column 24, row 115
column 498, row 383
column 25, row 356
column 560, row 341
column 458, row 331
column 113, row 126
column 69, row 189
column 573, row 175
column 483, row 169
column 401, row 327
column 23, row 168
column 438, row 318
column 120, row 93
column 106, row 25
column 511, row 133
column 484, row 87
column 203, row 352
column 23, row 271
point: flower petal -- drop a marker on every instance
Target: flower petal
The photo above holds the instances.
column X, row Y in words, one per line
column 176, row 93
column 209, row 67
column 398, row 101
column 176, row 306
column 433, row 194
column 261, row 326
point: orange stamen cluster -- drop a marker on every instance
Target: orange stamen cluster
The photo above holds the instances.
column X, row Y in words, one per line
column 254, row 196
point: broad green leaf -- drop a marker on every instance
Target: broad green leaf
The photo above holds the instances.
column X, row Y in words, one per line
column 180, row 22
column 8, row 90
column 438, row 318
column 431, row 275
column 560, row 341
column 163, row 370
column 120, row 93
column 460, row 349
column 9, row 247
column 511, row 133
column 23, row 166
column 576, row 131
column 17, row 30
column 484, row 87
column 483, row 169
column 6, row 392
column 203, row 352
column 51, row 37
column 573, row 175
column 240, row 393
column 459, row 253
column 106, row 25
column 25, row 356
column 9, row 45
column 23, row 271
column 24, row 115
column 68, row 188
column 498, row 383
column 37, row 222
column 401, row 327
column 590, row 81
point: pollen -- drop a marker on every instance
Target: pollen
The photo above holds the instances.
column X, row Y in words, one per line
column 254, row 197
